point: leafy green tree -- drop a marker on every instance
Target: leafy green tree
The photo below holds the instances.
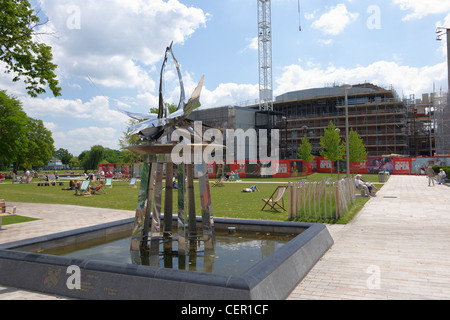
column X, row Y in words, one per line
column 171, row 107
column 93, row 157
column 333, row 149
column 357, row 149
column 130, row 140
column 23, row 56
column 63, row 155
column 74, row 162
column 39, row 145
column 82, row 156
column 304, row 151
column 23, row 141
column 12, row 128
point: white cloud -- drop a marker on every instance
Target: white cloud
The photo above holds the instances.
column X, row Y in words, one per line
column 421, row 8
column 115, row 44
column 81, row 139
column 445, row 24
column 254, row 45
column 97, row 109
column 334, row 21
column 229, row 94
column 405, row 79
column 325, row 42
column 51, row 126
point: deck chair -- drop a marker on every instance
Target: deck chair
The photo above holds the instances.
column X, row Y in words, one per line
column 132, row 183
column 97, row 189
column 274, row 200
column 219, row 183
column 52, row 180
column 108, row 183
column 4, row 212
column 84, row 189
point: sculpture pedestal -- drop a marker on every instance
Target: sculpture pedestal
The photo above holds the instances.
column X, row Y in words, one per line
column 147, row 233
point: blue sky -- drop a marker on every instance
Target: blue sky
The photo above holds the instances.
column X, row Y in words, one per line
column 109, row 54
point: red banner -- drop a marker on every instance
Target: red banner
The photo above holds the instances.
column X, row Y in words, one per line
column 402, row 165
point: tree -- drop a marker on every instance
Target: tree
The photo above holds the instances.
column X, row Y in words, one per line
column 24, row 57
column 171, row 108
column 12, row 128
column 74, row 162
column 23, row 140
column 93, row 157
column 304, row 151
column 357, row 149
column 63, row 155
column 39, row 148
column 130, row 140
column 333, row 149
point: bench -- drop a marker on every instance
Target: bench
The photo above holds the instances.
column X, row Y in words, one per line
column 4, row 212
column 364, row 191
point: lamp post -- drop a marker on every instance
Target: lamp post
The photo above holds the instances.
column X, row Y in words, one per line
column 441, row 32
column 347, row 87
column 339, row 131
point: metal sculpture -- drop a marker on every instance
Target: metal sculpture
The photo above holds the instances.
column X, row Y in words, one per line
column 155, row 125
column 147, row 235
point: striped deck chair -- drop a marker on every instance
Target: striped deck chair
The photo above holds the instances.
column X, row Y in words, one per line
column 108, row 183
column 83, row 191
column 219, row 183
column 275, row 199
column 132, row 183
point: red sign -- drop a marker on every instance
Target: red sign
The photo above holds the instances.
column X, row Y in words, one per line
column 402, row 165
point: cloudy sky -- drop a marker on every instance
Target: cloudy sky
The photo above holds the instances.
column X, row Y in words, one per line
column 109, row 54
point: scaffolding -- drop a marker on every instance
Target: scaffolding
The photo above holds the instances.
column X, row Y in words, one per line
column 441, row 103
column 375, row 113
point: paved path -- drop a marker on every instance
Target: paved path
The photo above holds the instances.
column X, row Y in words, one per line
column 54, row 219
column 397, row 247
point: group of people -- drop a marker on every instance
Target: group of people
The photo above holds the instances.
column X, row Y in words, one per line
column 231, row 175
column 441, row 176
column 369, row 187
column 76, row 185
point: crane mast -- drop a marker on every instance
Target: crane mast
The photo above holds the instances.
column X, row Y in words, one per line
column 265, row 55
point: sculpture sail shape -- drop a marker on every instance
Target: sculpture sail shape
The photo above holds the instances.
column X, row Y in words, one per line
column 155, row 125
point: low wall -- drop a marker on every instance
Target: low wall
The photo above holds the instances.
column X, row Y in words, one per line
column 272, row 278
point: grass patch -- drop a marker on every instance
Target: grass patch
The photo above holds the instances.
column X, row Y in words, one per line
column 227, row 201
column 16, row 219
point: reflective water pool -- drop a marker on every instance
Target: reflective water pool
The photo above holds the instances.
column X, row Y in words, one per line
column 234, row 253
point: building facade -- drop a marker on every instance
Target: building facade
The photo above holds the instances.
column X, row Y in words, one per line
column 377, row 114
column 387, row 124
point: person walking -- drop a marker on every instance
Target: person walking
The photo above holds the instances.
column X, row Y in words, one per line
column 430, row 174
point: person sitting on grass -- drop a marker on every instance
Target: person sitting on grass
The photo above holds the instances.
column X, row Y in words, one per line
column 72, row 185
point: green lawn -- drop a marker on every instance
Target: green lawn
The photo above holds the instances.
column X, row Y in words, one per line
column 227, row 201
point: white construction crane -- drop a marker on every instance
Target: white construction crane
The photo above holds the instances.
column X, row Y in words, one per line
column 265, row 55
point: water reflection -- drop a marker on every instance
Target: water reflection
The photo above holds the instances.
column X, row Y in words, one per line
column 233, row 254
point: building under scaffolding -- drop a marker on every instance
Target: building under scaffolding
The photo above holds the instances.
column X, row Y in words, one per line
column 421, row 125
column 387, row 124
column 377, row 114
column 441, row 105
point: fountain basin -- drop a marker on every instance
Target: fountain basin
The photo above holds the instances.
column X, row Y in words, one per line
column 272, row 278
